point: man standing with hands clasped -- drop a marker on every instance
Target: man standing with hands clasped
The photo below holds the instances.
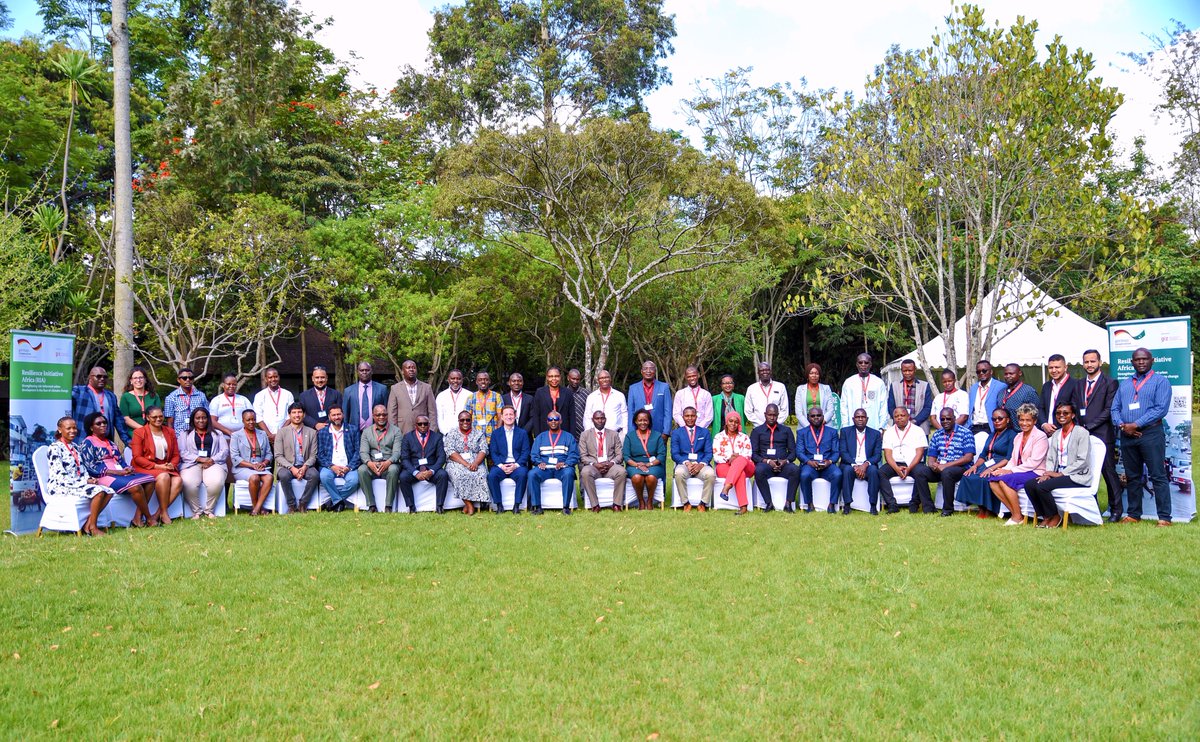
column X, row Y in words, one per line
column 1141, row 403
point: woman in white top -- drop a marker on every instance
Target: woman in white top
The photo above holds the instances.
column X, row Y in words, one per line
column 731, row 453
column 227, row 407
column 67, row 477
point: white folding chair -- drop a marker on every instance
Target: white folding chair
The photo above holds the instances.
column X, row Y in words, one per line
column 731, row 504
column 695, row 493
column 1080, row 502
column 631, row 496
column 508, row 494
column 552, row 495
column 821, row 494
column 241, row 497
column 604, row 492
column 218, row 510
column 902, row 490
column 959, row 507
column 62, row 512
column 859, row 497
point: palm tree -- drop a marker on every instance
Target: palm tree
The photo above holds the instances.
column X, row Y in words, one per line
column 79, row 73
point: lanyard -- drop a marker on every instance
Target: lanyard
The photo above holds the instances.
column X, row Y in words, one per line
column 337, row 437
column 862, row 441
column 454, row 398
column 1089, row 391
column 232, row 400
column 1008, row 395
column 902, row 437
column 981, row 395
column 771, row 428
column 945, row 397
column 604, row 398
column 300, row 441
column 275, row 395
column 253, row 441
column 946, row 441
column 423, row 439
column 1021, row 448
column 766, row 390
column 99, row 398
column 648, row 392
column 910, row 394
column 1062, row 443
column 696, row 397
column 141, row 400
column 187, row 400
column 817, row 438
column 202, row 439
column 554, row 397
column 866, row 381
column 1138, row 387
column 554, row 439
column 321, row 397
column 379, row 437
column 517, row 398
column 645, row 443
column 600, row 438
column 78, row 463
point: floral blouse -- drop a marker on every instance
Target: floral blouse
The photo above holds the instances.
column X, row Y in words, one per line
column 726, row 448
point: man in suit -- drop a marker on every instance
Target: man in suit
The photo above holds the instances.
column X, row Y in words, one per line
column 554, row 456
column 653, row 396
column 410, row 397
column 913, row 394
column 772, row 448
column 94, row 397
column 423, row 459
column 296, row 458
column 318, row 398
column 600, row 456
column 379, row 449
column 509, row 451
column 338, row 457
column 521, row 402
column 360, row 398
column 451, row 401
column 1059, row 388
column 553, row 397
column 691, row 450
column 818, row 454
column 1095, row 395
column 984, row 397
column 726, row 401
column 861, row 452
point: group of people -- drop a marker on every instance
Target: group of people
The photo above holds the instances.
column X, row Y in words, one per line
column 475, row 440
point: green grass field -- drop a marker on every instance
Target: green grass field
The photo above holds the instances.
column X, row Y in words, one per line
column 659, row 625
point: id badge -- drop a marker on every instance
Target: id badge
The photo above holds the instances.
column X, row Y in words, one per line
column 377, row 455
column 1082, row 411
column 422, row 462
column 989, row 463
column 649, row 406
column 818, row 457
column 770, row 452
column 552, row 461
column 1135, row 405
column 202, row 453
column 693, row 457
column 321, row 414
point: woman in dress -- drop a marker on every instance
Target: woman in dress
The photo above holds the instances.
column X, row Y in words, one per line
column 67, row 477
column 156, row 452
column 139, row 396
column 1028, row 462
column 645, row 454
column 250, row 452
column 105, row 465
column 975, row 486
column 731, row 452
column 204, row 458
column 815, row 394
column 466, row 448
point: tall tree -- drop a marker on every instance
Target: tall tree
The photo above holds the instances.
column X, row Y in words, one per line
column 118, row 38
column 971, row 161
column 79, row 74
column 499, row 63
column 619, row 205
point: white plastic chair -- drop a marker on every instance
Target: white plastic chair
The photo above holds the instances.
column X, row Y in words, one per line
column 62, row 512
column 552, row 495
column 218, row 510
column 241, row 497
column 1080, row 502
column 631, row 497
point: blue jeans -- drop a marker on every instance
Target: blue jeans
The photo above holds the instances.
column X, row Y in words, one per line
column 1149, row 451
column 339, row 493
column 566, row 475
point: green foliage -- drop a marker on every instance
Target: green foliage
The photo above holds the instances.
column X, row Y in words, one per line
column 31, row 286
column 497, row 63
column 5, row 17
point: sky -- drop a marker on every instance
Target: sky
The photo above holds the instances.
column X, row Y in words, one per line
column 830, row 44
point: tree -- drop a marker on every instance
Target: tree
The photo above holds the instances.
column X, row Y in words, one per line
column 32, row 287
column 971, row 161
column 499, row 63
column 118, row 37
column 79, row 73
column 5, row 18
column 620, row 206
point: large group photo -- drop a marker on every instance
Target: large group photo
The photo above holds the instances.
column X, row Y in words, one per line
column 583, row 369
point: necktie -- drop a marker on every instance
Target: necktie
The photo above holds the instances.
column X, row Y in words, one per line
column 365, row 407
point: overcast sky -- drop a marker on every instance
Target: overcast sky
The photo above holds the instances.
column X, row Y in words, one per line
column 831, row 44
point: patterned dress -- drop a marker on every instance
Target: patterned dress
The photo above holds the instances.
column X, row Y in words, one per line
column 100, row 456
column 470, row 485
column 485, row 413
column 67, row 476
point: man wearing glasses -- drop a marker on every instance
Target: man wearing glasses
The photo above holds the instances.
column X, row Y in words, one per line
column 984, row 397
column 179, row 404
column 94, row 397
column 423, row 459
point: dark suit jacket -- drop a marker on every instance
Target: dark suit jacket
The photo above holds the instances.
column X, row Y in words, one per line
column 806, row 445
column 542, row 407
column 849, row 445
column 411, row 452
column 524, row 415
column 312, row 406
column 351, row 403
column 1098, row 419
column 498, row 449
column 1068, row 393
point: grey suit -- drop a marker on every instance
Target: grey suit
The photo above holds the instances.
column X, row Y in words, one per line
column 589, row 455
column 374, row 447
column 286, row 458
column 403, row 411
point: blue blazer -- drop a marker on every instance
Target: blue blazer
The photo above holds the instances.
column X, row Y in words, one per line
column 806, row 445
column 681, row 446
column 325, row 447
column 410, row 451
column 849, row 445
column 498, row 449
column 991, row 402
column 351, row 403
column 660, row 416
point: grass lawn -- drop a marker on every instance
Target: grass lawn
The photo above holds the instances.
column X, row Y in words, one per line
column 635, row 626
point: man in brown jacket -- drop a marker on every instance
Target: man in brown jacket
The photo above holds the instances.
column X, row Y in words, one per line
column 600, row 456
column 409, row 398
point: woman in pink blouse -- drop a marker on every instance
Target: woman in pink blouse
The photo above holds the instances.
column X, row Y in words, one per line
column 731, row 452
column 1028, row 461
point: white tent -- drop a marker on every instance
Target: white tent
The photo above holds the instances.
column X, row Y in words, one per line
column 1032, row 327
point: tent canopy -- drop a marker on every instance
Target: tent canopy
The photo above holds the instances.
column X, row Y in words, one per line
column 1033, row 326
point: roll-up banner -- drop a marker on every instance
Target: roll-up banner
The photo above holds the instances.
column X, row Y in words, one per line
column 1169, row 340
column 41, row 371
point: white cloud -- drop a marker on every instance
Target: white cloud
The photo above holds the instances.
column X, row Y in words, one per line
column 383, row 36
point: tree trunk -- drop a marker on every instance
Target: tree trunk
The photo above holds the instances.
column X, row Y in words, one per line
column 122, row 198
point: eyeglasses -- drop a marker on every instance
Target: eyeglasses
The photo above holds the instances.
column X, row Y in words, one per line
column 554, row 419
column 422, row 425
column 99, row 376
column 156, row 419
column 997, row 418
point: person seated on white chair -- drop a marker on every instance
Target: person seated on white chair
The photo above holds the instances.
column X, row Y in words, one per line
column 67, row 477
column 423, row 459
column 691, row 450
column 904, row 447
column 296, row 458
column 818, row 452
column 250, row 452
column 338, row 457
column 554, row 456
column 951, row 450
column 1068, row 464
column 204, row 459
column 600, row 457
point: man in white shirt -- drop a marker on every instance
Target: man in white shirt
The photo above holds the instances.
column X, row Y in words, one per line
column 865, row 390
column 271, row 404
column 765, row 392
column 904, row 447
column 451, row 401
column 609, row 401
column 338, row 458
column 693, row 395
column 954, row 398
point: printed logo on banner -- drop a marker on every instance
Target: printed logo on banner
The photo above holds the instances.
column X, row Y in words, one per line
column 26, row 350
column 1159, row 335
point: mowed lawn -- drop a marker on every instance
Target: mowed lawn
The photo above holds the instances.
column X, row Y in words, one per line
column 684, row 626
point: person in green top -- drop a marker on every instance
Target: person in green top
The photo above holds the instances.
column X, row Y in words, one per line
column 815, row 394
column 139, row 396
column 725, row 402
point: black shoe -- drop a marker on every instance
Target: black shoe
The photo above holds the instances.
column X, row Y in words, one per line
column 893, row 510
column 845, row 510
column 874, row 510
column 515, row 511
column 566, row 511
column 387, row 509
column 947, row 513
column 1115, row 517
column 372, row 509
column 789, row 508
column 831, row 509
column 809, row 508
column 768, row 506
column 498, row 509
column 914, row 511
column 441, row 511
column 537, row 511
